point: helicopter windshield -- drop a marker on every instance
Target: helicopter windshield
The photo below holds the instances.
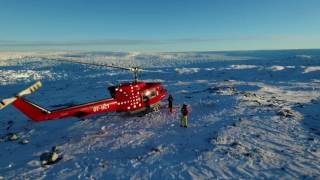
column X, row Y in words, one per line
column 149, row 94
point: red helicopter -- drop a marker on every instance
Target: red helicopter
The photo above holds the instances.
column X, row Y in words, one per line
column 135, row 96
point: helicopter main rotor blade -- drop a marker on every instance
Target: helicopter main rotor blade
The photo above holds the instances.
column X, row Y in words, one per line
column 89, row 63
column 153, row 71
column 136, row 70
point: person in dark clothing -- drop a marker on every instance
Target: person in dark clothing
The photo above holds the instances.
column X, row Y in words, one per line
column 184, row 117
column 146, row 100
column 170, row 103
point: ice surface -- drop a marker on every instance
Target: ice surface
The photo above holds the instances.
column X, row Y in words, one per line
column 15, row 76
column 311, row 69
column 187, row 70
column 253, row 115
column 277, row 68
column 242, row 66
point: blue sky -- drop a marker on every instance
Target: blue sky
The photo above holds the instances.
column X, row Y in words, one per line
column 159, row 25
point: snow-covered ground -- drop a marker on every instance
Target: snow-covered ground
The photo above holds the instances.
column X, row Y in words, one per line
column 254, row 114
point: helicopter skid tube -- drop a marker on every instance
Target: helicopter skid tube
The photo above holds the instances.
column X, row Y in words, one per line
column 39, row 114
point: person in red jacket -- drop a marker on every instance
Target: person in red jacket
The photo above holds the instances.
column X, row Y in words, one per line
column 184, row 117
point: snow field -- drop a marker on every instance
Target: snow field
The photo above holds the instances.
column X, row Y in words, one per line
column 251, row 117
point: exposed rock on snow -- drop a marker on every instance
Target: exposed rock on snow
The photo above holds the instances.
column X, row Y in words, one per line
column 223, row 90
column 286, row 113
column 13, row 137
column 24, row 141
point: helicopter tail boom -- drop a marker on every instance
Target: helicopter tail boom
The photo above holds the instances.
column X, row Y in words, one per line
column 38, row 113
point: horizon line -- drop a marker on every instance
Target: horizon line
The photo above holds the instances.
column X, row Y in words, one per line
column 187, row 51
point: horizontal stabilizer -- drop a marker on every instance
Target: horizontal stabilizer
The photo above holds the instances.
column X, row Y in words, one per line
column 29, row 90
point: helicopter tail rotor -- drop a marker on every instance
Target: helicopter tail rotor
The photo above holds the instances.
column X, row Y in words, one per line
column 29, row 90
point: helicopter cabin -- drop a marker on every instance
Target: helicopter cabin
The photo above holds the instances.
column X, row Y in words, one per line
column 137, row 96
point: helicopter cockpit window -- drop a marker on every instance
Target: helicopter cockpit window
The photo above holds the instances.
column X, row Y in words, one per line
column 112, row 90
column 149, row 94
